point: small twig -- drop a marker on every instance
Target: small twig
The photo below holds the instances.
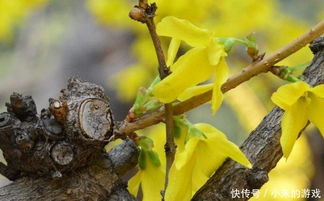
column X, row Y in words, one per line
column 145, row 13
column 247, row 73
column 146, row 120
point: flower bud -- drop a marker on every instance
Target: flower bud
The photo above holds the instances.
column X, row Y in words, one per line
column 138, row 14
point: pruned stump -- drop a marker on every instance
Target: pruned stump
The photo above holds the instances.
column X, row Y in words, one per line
column 63, row 146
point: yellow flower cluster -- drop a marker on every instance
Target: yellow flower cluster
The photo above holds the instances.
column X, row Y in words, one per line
column 195, row 161
column 12, row 12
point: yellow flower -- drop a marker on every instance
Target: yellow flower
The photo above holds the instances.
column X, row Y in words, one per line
column 301, row 103
column 151, row 188
column 151, row 180
column 13, row 12
column 207, row 57
column 197, row 160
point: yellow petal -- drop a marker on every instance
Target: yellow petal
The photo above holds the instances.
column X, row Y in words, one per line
column 215, row 52
column 293, row 121
column 288, row 94
column 180, row 182
column 152, row 187
column 196, row 163
column 189, row 70
column 157, row 134
column 316, row 112
column 220, row 79
column 173, row 50
column 188, row 177
column 186, row 154
column 318, row 90
column 183, row 30
column 194, row 91
column 217, row 140
column 134, row 183
column 208, row 160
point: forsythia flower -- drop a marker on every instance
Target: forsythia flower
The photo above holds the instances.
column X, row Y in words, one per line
column 207, row 57
column 151, row 178
column 196, row 160
column 13, row 12
column 301, row 103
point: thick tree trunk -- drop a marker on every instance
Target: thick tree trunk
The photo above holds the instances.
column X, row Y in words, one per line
column 58, row 155
column 316, row 144
column 262, row 147
column 100, row 181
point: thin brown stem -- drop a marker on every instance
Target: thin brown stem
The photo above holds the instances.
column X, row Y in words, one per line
column 147, row 17
column 247, row 73
column 163, row 69
column 170, row 147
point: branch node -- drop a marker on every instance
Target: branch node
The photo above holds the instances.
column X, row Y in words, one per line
column 317, row 45
column 278, row 71
column 256, row 178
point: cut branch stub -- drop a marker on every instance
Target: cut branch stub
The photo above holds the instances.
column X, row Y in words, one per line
column 95, row 119
column 68, row 135
column 89, row 117
column 62, row 153
column 23, row 107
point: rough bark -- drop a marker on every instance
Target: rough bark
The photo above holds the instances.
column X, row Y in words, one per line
column 67, row 136
column 316, row 144
column 262, row 146
column 59, row 154
column 98, row 182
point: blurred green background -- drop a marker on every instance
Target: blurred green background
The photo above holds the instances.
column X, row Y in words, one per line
column 44, row 42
